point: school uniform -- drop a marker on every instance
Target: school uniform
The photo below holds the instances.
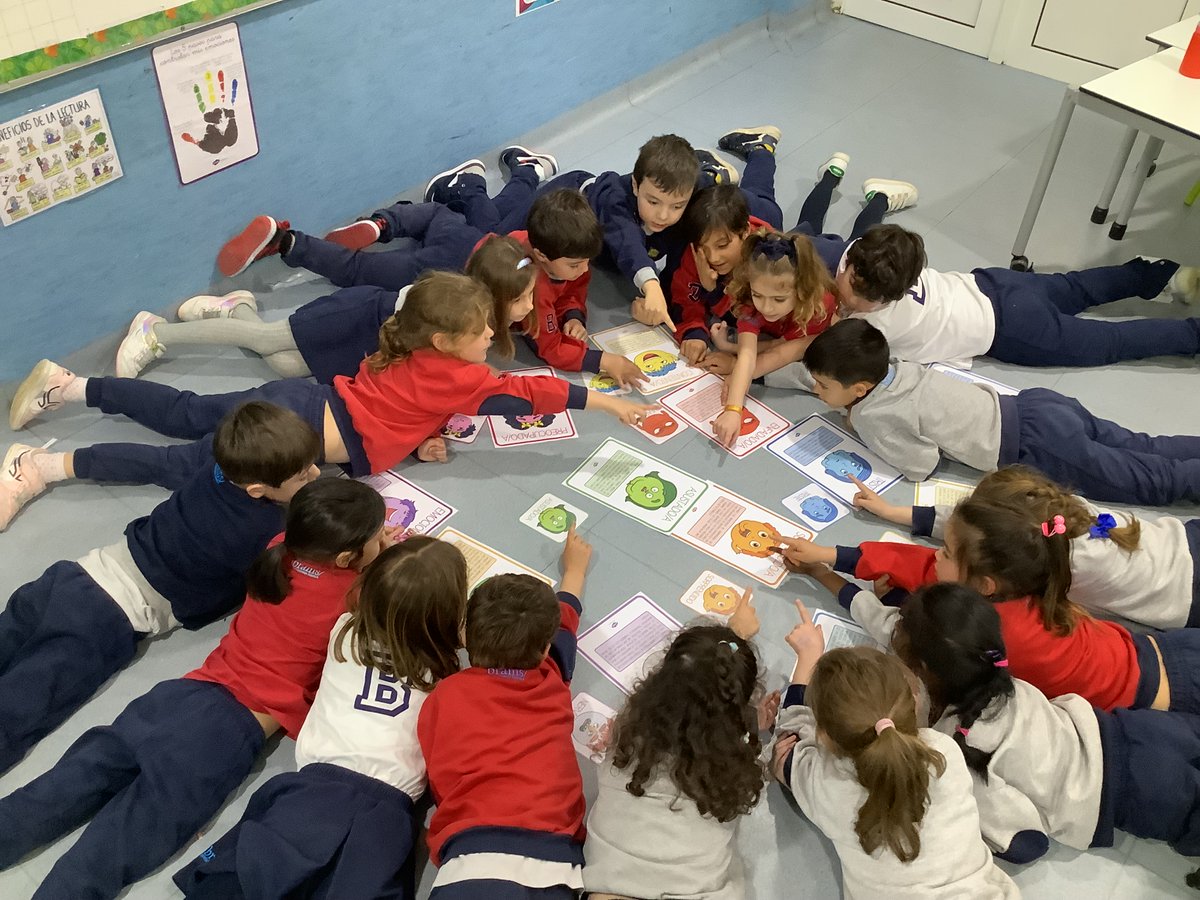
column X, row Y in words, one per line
column 1031, row 319
column 344, row 824
column 757, row 185
column 1102, row 661
column 65, row 634
column 1062, row 769
column 502, row 770
column 787, row 328
column 150, row 781
column 916, row 414
column 503, row 213
column 953, row 861
column 1157, row 584
column 335, row 333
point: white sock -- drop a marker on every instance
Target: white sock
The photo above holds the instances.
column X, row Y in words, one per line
column 51, row 466
column 75, row 390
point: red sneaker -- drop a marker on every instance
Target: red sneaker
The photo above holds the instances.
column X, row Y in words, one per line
column 356, row 236
column 258, row 239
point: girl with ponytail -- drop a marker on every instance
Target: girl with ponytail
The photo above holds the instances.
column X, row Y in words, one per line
column 1047, row 768
column 895, row 799
column 682, row 769
column 1024, row 569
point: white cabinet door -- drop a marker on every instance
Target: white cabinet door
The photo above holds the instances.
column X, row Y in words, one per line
column 968, row 25
column 1077, row 40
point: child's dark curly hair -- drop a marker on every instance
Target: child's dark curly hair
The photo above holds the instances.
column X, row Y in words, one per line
column 692, row 719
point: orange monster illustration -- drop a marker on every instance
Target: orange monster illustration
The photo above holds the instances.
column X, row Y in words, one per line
column 754, row 538
column 720, row 598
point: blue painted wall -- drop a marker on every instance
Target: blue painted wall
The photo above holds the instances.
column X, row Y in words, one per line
column 354, row 103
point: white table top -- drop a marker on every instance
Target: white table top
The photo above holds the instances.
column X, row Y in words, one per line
column 1177, row 35
column 1152, row 87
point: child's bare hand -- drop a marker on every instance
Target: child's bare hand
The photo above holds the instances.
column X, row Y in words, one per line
column 768, row 709
column 744, row 618
column 784, row 744
column 652, row 308
column 575, row 329
column 803, row 568
column 577, row 553
column 706, row 273
column 719, row 363
column 797, row 551
column 720, row 337
column 397, row 534
column 432, row 450
column 869, row 500
column 631, row 413
column 622, row 369
column 808, row 641
column 727, row 426
column 882, row 585
column 693, row 350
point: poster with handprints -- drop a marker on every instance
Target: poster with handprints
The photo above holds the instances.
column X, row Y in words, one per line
column 54, row 154
column 202, row 80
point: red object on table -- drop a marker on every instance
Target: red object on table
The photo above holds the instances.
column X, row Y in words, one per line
column 1190, row 66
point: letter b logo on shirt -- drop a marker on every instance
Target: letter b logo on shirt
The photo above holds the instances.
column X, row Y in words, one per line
column 383, row 694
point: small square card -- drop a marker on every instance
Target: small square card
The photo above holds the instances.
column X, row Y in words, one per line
column 712, row 595
column 593, row 724
column 552, row 517
column 815, row 507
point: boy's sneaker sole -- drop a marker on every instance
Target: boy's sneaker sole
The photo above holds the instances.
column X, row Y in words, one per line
column 356, row 236
column 721, row 169
column 463, row 168
column 516, row 155
column 253, row 242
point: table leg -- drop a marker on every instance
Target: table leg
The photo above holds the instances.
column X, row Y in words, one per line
column 1019, row 262
column 1100, row 213
column 1134, row 188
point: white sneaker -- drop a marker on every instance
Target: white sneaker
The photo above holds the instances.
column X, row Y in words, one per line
column 140, row 347
column 20, row 482
column 837, row 164
column 1185, row 284
column 900, row 194
column 41, row 391
column 543, row 163
column 208, row 307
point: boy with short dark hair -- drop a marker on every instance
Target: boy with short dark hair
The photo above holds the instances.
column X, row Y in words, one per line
column 65, row 634
column 497, row 743
column 910, row 415
column 1017, row 317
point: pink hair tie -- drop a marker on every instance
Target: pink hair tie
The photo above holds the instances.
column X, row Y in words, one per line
column 963, row 731
column 1001, row 664
column 1059, row 526
column 883, row 725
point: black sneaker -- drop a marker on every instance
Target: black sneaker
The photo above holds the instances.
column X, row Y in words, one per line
column 718, row 170
column 516, row 155
column 744, row 141
column 444, row 181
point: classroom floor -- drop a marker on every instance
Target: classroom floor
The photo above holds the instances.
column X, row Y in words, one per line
column 970, row 134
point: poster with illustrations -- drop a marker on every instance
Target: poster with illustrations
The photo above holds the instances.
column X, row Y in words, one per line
column 553, row 517
column 463, row 429
column 841, row 632
column 629, row 643
column 483, row 561
column 660, row 426
column 975, row 378
column 830, row 456
column 638, row 485
column 699, row 402
column 815, row 507
column 407, row 505
column 534, row 428
column 739, row 533
column 206, row 99
column 652, row 350
column 593, row 726
column 55, row 154
column 712, row 595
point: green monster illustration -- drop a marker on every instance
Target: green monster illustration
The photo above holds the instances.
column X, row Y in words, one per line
column 555, row 519
column 650, row 491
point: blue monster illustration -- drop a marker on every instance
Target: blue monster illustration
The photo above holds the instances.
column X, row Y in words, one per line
column 818, row 509
column 842, row 464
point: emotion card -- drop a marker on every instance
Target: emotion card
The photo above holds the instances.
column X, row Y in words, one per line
column 552, row 517
column 699, row 402
column 627, row 645
column 463, row 429
column 712, row 595
column 652, row 350
column 829, row 456
column 815, row 507
column 483, row 561
column 534, row 428
column 408, row 506
column 593, row 726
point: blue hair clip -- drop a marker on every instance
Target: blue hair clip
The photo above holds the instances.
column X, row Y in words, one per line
column 774, row 248
column 732, row 645
column 1105, row 522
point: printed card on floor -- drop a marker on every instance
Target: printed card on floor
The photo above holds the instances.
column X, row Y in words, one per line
column 483, row 561
column 712, row 595
column 895, row 537
column 841, row 632
column 601, row 384
column 535, row 428
column 630, row 642
column 638, row 485
column 553, row 517
column 940, row 492
column 815, row 507
column 966, row 375
column 660, row 426
column 652, row 350
column 699, row 402
column 407, row 505
column 463, row 429
column 593, row 726
column 739, row 533
column 830, row 456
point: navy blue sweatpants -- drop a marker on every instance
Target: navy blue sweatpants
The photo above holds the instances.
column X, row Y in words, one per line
column 1098, row 458
column 444, row 239
column 323, row 833
column 148, row 782
column 170, row 467
column 758, row 187
column 61, row 637
column 501, row 214
column 1037, row 323
column 335, row 333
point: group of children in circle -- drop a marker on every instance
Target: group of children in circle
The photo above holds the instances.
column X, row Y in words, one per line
column 1043, row 721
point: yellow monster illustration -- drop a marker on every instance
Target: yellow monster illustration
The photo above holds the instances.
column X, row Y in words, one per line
column 754, row 538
